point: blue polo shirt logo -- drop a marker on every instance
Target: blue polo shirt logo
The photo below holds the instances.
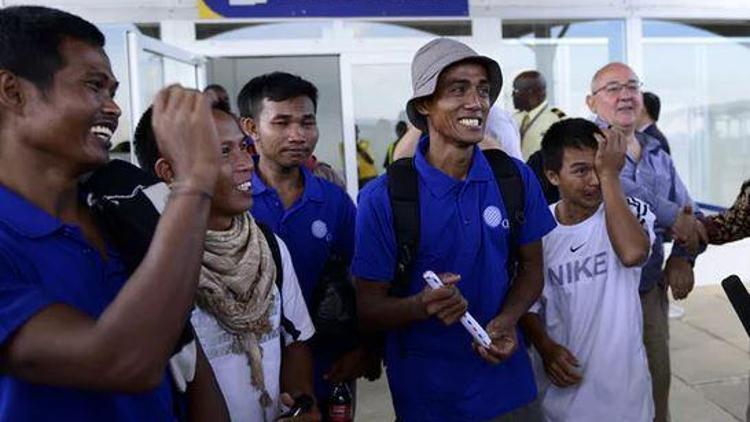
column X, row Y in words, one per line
column 493, row 217
column 319, row 229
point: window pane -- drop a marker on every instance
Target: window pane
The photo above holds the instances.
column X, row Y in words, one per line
column 116, row 50
column 567, row 53
column 151, row 69
column 705, row 105
column 380, row 95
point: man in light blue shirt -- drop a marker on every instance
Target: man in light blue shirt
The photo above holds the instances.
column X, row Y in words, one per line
column 649, row 174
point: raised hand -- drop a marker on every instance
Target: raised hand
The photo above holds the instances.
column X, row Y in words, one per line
column 187, row 137
column 610, row 156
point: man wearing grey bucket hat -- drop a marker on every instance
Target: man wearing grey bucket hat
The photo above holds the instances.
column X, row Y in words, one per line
column 435, row 371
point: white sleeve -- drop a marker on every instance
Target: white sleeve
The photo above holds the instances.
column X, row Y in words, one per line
column 540, row 304
column 293, row 305
column 536, row 307
column 645, row 217
column 501, row 126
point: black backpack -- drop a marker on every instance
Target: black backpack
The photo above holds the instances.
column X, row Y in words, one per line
column 403, row 191
column 273, row 244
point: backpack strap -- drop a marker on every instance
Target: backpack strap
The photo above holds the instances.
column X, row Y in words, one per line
column 403, row 192
column 273, row 244
column 512, row 190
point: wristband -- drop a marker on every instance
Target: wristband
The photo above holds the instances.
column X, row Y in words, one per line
column 177, row 189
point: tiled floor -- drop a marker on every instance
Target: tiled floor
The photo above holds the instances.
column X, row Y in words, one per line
column 710, row 365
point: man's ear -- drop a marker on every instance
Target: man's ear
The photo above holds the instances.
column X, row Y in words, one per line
column 422, row 106
column 11, row 91
column 249, row 127
column 553, row 177
column 591, row 103
column 163, row 169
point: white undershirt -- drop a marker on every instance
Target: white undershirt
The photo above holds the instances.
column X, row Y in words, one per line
column 232, row 370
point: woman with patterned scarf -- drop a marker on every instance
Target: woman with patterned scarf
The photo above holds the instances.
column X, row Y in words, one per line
column 259, row 362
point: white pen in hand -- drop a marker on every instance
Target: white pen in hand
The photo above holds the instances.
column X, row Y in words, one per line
column 471, row 325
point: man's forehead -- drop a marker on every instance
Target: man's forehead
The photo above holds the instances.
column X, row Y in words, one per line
column 463, row 70
column 576, row 155
column 526, row 78
column 90, row 58
column 301, row 104
column 226, row 124
column 616, row 74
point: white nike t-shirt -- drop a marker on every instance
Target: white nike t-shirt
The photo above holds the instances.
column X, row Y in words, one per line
column 232, row 369
column 591, row 306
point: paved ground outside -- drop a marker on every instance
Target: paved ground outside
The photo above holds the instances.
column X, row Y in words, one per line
column 710, row 365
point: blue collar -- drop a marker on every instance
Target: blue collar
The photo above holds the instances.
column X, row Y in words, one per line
column 313, row 189
column 25, row 218
column 648, row 142
column 440, row 183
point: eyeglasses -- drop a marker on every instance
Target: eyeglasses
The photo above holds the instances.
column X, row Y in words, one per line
column 614, row 88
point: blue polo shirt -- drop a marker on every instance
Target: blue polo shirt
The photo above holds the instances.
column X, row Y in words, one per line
column 318, row 224
column 44, row 262
column 433, row 373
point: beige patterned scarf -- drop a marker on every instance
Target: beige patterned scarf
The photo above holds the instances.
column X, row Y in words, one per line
column 236, row 287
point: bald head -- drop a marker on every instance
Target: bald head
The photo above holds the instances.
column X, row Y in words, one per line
column 616, row 96
column 529, row 90
column 597, row 81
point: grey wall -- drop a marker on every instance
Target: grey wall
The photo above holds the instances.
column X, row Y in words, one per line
column 323, row 71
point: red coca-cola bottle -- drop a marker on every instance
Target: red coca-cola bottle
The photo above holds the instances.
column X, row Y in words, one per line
column 340, row 404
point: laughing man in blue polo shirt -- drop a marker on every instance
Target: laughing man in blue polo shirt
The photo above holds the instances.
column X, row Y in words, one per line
column 435, row 373
column 313, row 216
column 80, row 338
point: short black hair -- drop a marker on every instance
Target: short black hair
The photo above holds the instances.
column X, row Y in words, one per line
column 220, row 104
column 214, row 87
column 568, row 133
column 144, row 140
column 401, row 128
column 30, row 38
column 652, row 104
column 276, row 86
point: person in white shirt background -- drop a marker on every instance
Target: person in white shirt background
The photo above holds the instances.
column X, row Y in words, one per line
column 587, row 324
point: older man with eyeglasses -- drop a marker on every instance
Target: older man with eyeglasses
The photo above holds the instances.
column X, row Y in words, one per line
column 649, row 174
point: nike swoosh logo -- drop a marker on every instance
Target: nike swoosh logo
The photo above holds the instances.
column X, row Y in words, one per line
column 572, row 249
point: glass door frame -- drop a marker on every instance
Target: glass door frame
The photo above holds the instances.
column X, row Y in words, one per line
column 138, row 46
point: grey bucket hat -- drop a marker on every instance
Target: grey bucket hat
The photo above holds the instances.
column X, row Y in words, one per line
column 431, row 60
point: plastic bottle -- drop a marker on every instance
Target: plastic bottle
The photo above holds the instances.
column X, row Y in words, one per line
column 340, row 404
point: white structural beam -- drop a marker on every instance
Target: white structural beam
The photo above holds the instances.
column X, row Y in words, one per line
column 177, row 32
column 634, row 43
column 348, row 121
column 486, row 29
column 134, row 78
